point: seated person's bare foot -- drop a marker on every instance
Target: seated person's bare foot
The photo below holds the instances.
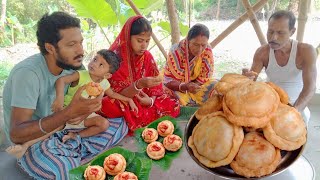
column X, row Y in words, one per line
column 17, row 150
column 68, row 136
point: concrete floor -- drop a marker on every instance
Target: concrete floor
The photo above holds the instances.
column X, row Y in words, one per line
column 184, row 167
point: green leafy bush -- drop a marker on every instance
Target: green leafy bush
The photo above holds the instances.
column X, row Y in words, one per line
column 5, row 68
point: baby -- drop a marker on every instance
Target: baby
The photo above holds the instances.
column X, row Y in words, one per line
column 100, row 69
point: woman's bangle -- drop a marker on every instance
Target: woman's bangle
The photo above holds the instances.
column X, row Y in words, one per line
column 40, row 127
column 135, row 85
column 152, row 102
column 181, row 89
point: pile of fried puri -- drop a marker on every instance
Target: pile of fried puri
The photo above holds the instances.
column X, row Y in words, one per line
column 245, row 125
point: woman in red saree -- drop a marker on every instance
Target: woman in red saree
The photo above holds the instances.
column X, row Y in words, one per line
column 138, row 78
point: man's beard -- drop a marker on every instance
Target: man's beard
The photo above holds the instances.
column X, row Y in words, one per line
column 60, row 62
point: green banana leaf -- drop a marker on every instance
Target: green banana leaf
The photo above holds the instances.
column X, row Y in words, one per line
column 136, row 163
column 97, row 10
column 186, row 112
column 165, row 25
column 166, row 161
column 141, row 166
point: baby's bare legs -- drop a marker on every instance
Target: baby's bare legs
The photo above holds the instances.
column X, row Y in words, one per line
column 94, row 125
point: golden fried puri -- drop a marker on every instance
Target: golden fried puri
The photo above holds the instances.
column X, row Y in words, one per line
column 93, row 89
column 256, row 157
column 250, row 104
column 284, row 98
column 213, row 104
column 286, row 129
column 215, row 141
column 228, row 81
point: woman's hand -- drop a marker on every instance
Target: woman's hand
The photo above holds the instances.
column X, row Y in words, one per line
column 148, row 82
column 191, row 87
column 133, row 106
column 144, row 99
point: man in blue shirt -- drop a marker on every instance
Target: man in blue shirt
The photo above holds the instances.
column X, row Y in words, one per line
column 29, row 92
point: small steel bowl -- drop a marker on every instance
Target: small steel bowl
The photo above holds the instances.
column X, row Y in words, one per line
column 287, row 157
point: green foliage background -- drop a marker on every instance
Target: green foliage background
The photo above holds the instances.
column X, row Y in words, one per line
column 22, row 15
column 108, row 16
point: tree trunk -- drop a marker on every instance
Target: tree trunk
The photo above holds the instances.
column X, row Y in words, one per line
column 272, row 8
column 238, row 7
column 3, row 14
column 254, row 21
column 267, row 6
column 218, row 10
column 302, row 18
column 174, row 22
column 184, row 5
column 189, row 12
column 293, row 5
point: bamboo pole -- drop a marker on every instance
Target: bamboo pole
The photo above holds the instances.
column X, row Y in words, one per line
column 302, row 18
column 135, row 9
column 254, row 21
column 237, row 23
column 174, row 21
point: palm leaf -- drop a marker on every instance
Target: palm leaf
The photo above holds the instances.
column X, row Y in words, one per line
column 166, row 161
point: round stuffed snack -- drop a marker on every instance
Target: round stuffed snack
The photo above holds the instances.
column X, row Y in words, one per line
column 94, row 173
column 149, row 135
column 165, row 128
column 114, row 164
column 155, row 150
column 125, row 176
column 172, row 142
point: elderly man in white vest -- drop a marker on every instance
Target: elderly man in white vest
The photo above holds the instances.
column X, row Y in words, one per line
column 289, row 64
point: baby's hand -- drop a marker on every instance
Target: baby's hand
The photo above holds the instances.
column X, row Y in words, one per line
column 133, row 106
column 57, row 105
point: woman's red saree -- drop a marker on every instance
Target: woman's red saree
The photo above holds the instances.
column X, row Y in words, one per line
column 131, row 69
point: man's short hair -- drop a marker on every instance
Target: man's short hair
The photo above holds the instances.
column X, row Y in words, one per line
column 287, row 14
column 49, row 27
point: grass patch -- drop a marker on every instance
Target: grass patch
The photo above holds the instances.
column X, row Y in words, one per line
column 5, row 68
